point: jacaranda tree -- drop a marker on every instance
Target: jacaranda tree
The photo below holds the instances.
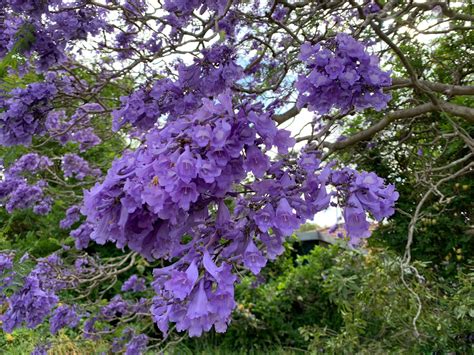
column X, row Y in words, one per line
column 203, row 183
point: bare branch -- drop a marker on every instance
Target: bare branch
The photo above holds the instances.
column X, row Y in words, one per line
column 446, row 89
column 380, row 125
column 461, row 111
column 281, row 118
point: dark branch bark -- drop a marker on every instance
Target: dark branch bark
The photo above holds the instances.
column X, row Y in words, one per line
column 461, row 111
column 446, row 89
column 380, row 125
column 457, row 110
column 292, row 112
column 445, row 10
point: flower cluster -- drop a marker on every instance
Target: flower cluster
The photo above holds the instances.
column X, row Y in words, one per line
column 51, row 31
column 186, row 8
column 363, row 192
column 63, row 316
column 82, row 235
column 41, row 349
column 75, row 166
column 29, row 163
column 32, row 7
column 18, row 193
column 208, row 76
column 72, row 129
column 342, row 76
column 73, row 214
column 165, row 187
column 6, row 274
column 34, row 297
column 6, row 262
column 31, row 305
column 180, row 11
column 134, row 284
column 23, row 111
column 173, row 185
column 86, row 138
column 136, row 345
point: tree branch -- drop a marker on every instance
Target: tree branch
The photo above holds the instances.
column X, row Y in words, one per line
column 283, row 117
column 446, row 89
column 461, row 111
column 457, row 110
column 445, row 10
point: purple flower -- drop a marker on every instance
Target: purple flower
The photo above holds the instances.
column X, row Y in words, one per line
column 186, row 166
column 202, row 135
column 153, row 195
column 63, row 316
column 371, row 8
column 309, row 162
column 350, row 46
column 22, row 114
column 30, row 163
column 116, row 307
column 81, row 264
column 43, row 207
column 256, row 161
column 137, row 109
column 342, row 76
column 322, row 56
column 220, row 133
column 182, row 283
column 30, row 305
column 284, row 141
column 334, row 68
column 185, row 194
column 264, row 124
column 82, row 235
column 368, row 180
column 74, row 166
column 197, row 314
column 285, row 219
column 253, row 258
column 207, row 170
column 86, row 138
column 223, row 215
column 6, row 262
column 349, row 77
column 355, row 220
column 73, row 214
column 265, row 217
column 136, row 345
column 22, row 195
column 199, row 305
column 220, row 156
column 41, row 349
column 134, row 284
column 316, row 194
column 222, row 274
column 274, row 245
column 307, row 50
column 279, row 13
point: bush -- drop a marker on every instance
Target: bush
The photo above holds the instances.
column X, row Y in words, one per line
column 339, row 301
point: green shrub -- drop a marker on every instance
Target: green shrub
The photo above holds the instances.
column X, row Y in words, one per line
column 339, row 301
